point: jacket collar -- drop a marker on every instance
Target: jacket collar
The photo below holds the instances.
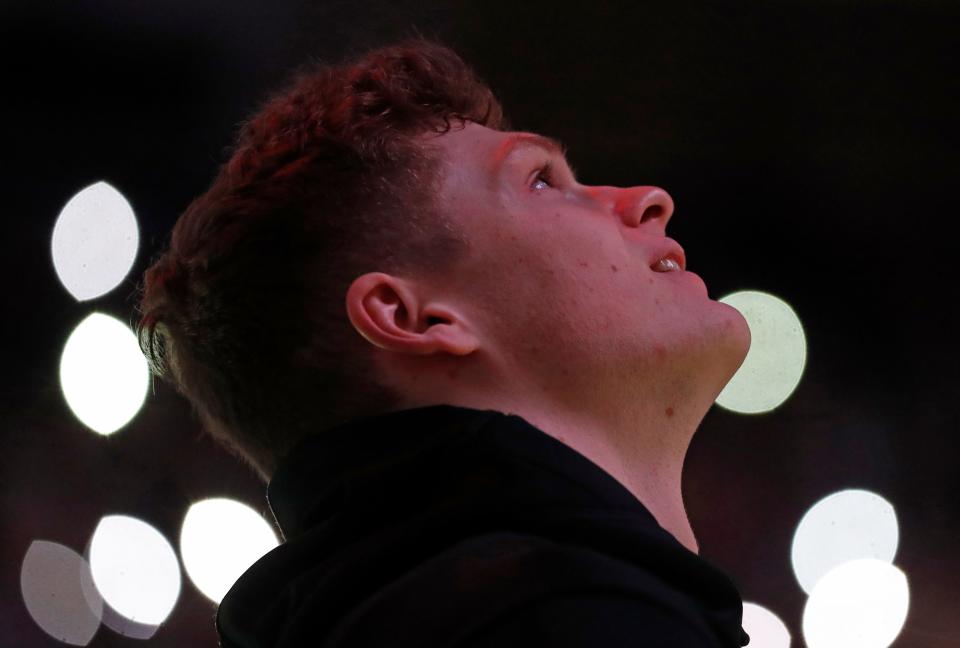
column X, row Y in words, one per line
column 312, row 481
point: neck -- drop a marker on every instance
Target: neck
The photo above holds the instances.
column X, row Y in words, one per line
column 646, row 459
column 639, row 441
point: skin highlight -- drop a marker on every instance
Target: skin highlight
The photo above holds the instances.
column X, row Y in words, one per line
column 556, row 315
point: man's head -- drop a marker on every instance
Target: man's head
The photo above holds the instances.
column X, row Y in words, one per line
column 413, row 261
column 558, row 310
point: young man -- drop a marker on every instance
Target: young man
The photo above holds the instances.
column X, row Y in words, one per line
column 469, row 379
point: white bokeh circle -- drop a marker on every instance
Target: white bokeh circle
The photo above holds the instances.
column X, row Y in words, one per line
column 219, row 539
column 135, row 569
column 861, row 603
column 766, row 629
column 103, row 373
column 774, row 365
column 843, row 526
column 58, row 592
column 94, row 241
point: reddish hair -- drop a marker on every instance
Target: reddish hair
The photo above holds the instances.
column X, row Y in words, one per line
column 244, row 313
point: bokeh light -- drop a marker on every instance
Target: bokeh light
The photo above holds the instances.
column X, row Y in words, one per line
column 94, row 241
column 846, row 525
column 774, row 364
column 765, row 628
column 135, row 569
column 59, row 594
column 219, row 540
column 103, row 373
column 860, row 603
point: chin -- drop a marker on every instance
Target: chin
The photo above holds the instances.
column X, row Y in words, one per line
column 728, row 352
column 737, row 333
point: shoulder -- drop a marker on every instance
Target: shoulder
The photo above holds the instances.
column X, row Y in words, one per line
column 586, row 619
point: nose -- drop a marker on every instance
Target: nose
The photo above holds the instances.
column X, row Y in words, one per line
column 636, row 206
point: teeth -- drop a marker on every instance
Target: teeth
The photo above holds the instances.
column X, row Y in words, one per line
column 666, row 265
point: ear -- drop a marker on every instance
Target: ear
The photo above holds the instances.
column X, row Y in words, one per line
column 392, row 315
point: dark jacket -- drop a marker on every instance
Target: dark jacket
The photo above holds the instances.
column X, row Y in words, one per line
column 464, row 528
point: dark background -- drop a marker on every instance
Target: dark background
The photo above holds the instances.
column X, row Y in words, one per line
column 811, row 150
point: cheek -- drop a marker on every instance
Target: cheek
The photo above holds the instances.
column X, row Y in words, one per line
column 602, row 264
column 568, row 262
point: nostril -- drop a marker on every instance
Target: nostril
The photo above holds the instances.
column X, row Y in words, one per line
column 653, row 211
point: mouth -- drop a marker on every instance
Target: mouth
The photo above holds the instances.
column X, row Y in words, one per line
column 669, row 258
column 667, row 264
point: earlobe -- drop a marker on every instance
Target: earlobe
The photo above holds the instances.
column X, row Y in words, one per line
column 388, row 314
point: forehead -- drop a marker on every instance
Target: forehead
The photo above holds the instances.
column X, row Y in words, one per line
column 469, row 142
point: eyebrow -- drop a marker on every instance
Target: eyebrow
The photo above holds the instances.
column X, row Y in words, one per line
column 526, row 141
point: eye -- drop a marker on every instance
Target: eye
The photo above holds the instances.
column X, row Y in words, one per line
column 544, row 174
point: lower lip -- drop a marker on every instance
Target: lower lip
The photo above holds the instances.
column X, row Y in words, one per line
column 673, row 272
column 687, row 274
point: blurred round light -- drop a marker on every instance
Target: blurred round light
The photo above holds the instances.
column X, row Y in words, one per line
column 59, row 594
column 843, row 526
column 95, row 241
column 774, row 364
column 861, row 603
column 135, row 569
column 765, row 628
column 219, row 540
column 103, row 373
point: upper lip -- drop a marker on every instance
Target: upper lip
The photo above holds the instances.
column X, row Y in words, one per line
column 668, row 248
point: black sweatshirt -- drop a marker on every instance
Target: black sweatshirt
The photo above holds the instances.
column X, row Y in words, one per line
column 464, row 528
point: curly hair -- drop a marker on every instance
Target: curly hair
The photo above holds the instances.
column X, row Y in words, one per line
column 244, row 312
